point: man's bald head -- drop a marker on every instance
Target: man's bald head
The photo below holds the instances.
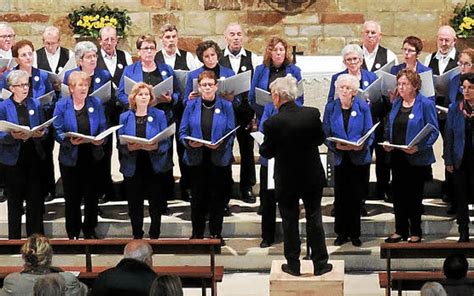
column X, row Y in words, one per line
column 446, row 39
column 139, row 250
column 371, row 35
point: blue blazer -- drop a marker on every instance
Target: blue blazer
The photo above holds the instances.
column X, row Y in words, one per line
column 260, row 79
column 424, row 112
column 135, row 72
column 454, row 136
column 367, row 79
column 224, row 72
column 454, row 88
column 66, row 122
column 9, row 146
column 155, row 124
column 40, row 79
column 223, row 122
column 360, row 122
column 99, row 78
column 420, row 68
column 268, row 112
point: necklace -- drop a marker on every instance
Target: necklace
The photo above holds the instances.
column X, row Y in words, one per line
column 208, row 107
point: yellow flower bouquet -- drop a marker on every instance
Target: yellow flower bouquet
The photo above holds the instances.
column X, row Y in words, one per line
column 87, row 21
column 463, row 20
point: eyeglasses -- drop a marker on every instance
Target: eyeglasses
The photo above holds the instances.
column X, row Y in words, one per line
column 408, row 50
column 461, row 64
column 89, row 57
column 50, row 43
column 352, row 60
column 148, row 48
column 22, row 85
column 207, row 84
column 26, row 54
column 9, row 36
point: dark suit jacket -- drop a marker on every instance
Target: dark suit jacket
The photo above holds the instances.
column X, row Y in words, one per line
column 292, row 136
column 129, row 277
column 459, row 287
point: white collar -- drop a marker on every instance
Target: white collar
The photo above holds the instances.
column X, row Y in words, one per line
column 451, row 54
column 177, row 52
column 367, row 53
column 106, row 55
column 242, row 52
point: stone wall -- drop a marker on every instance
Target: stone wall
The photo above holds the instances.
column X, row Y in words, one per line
column 320, row 28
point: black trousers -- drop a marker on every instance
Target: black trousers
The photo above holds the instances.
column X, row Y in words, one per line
column 208, row 186
column 268, row 203
column 349, row 189
column 382, row 166
column 23, row 183
column 146, row 186
column 247, row 159
column 48, row 181
column 81, row 183
column 288, row 203
column 407, row 191
column 463, row 180
column 106, row 185
column 185, row 180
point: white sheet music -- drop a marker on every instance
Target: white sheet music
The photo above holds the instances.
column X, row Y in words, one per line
column 164, row 134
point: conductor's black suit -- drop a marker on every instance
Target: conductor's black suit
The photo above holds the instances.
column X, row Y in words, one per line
column 292, row 137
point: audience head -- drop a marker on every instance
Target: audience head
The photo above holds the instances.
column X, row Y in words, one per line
column 169, row 38
column 283, row 90
column 51, row 39
column 455, row 266
column 142, row 91
column 209, row 53
column 277, row 53
column 346, row 86
column 37, row 252
column 146, row 46
column 140, row 251
column 108, row 39
column 7, row 36
column 166, row 285
column 371, row 34
column 446, row 39
column 432, row 289
column 86, row 55
column 52, row 284
column 465, row 60
column 234, row 36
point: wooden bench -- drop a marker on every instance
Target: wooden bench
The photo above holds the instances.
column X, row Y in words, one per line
column 414, row 280
column 192, row 276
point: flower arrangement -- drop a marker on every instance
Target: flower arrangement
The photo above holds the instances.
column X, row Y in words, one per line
column 87, row 21
column 463, row 20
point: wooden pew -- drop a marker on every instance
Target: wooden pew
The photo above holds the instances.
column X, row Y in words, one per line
column 192, row 276
column 412, row 280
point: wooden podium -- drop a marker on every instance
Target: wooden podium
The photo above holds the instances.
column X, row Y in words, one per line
column 329, row 284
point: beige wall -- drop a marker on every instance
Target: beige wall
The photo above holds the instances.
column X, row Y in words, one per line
column 322, row 28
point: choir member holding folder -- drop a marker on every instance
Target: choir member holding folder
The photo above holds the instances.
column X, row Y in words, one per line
column 466, row 58
column 21, row 156
column 458, row 153
column 277, row 62
column 144, row 165
column 80, row 159
column 412, row 47
column 410, row 113
column 348, row 117
column 208, row 117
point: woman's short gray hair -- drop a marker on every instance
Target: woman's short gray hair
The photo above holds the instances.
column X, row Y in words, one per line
column 15, row 75
column 82, row 48
column 347, row 79
column 432, row 289
column 352, row 48
column 285, row 87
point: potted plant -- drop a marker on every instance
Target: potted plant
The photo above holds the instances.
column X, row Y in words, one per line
column 86, row 22
column 463, row 24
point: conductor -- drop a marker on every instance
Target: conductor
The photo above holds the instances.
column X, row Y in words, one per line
column 292, row 137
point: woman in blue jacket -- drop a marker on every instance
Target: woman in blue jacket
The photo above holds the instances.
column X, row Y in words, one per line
column 79, row 161
column 143, row 165
column 412, row 47
column 277, row 62
column 466, row 58
column 410, row 113
column 352, row 57
column 21, row 156
column 348, row 117
column 459, row 153
column 208, row 117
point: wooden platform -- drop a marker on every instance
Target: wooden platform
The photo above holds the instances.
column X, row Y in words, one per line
column 283, row 284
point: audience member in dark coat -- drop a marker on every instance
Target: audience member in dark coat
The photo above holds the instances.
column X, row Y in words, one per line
column 455, row 268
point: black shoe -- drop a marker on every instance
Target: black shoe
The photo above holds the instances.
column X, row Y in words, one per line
column 219, row 237
column 340, row 240
column 195, row 236
column 259, row 210
column 102, row 200
column 414, row 239
column 322, row 270
column 3, row 196
column 185, row 195
column 91, row 236
column 356, row 242
column 72, row 237
column 49, row 197
column 247, row 196
column 363, row 211
column 227, row 212
column 333, row 212
column 265, row 244
column 395, row 239
column 451, row 210
column 286, row 268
